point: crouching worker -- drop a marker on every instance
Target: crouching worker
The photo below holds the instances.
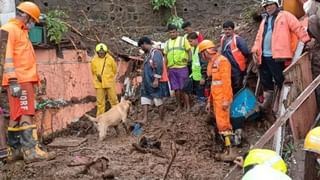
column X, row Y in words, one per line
column 104, row 69
column 155, row 79
column 19, row 77
column 219, row 69
column 262, row 164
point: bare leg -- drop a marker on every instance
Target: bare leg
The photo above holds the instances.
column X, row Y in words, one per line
column 25, row 120
column 13, row 123
column 145, row 113
column 117, row 130
column 178, row 99
column 161, row 112
column 187, row 101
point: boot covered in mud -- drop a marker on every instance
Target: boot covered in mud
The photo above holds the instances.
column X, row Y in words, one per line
column 229, row 154
column 14, row 150
column 267, row 100
column 30, row 146
column 3, row 153
column 237, row 137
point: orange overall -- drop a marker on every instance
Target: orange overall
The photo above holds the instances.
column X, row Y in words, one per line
column 219, row 69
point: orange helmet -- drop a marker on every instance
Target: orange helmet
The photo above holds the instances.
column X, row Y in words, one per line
column 205, row 44
column 31, row 9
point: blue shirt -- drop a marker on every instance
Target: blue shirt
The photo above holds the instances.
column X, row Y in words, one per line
column 267, row 51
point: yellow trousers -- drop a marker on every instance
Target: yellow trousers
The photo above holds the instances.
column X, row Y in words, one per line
column 101, row 98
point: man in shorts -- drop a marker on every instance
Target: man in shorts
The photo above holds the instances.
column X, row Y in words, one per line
column 178, row 54
column 155, row 79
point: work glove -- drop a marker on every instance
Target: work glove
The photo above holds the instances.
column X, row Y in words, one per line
column 99, row 78
column 15, row 88
column 202, row 82
column 225, row 105
column 208, row 107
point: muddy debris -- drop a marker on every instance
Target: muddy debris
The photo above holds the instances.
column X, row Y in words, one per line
column 143, row 157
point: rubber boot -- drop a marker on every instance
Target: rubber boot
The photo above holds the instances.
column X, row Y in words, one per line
column 30, row 146
column 14, row 150
column 229, row 154
column 236, row 138
column 268, row 96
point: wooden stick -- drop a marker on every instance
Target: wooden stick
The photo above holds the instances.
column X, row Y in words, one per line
column 74, row 29
column 174, row 154
column 90, row 28
column 74, row 44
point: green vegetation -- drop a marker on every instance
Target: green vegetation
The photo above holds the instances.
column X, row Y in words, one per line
column 56, row 27
column 174, row 18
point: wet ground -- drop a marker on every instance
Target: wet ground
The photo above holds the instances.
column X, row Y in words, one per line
column 115, row 158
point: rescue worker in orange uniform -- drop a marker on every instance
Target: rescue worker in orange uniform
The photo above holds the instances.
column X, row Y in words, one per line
column 19, row 77
column 219, row 69
column 272, row 46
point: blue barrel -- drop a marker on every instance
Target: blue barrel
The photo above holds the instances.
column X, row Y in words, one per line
column 244, row 106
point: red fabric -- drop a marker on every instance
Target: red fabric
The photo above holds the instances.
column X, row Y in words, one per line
column 23, row 105
column 200, row 37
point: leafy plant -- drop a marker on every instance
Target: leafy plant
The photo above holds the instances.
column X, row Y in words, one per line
column 288, row 151
column 176, row 20
column 165, row 3
column 56, row 27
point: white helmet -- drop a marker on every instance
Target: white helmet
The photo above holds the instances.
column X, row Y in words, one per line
column 263, row 172
column 267, row 2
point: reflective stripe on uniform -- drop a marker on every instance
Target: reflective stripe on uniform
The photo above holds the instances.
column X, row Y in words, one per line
column 234, row 50
column 8, row 60
column 9, row 70
column 22, row 128
column 180, row 46
column 216, row 82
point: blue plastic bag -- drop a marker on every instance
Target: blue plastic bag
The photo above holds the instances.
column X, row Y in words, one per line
column 243, row 106
column 137, row 130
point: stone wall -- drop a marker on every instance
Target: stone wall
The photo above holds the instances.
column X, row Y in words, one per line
column 110, row 19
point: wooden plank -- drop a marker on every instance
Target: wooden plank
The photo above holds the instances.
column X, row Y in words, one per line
column 310, row 170
column 297, row 168
column 289, row 112
column 67, row 142
column 299, row 73
column 279, row 122
column 3, row 46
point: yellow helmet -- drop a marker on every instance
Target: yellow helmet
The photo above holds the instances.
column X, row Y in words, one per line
column 312, row 141
column 101, row 46
column 265, row 172
column 265, row 157
column 206, row 44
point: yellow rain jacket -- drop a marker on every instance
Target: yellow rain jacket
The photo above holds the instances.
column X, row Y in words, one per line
column 108, row 67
